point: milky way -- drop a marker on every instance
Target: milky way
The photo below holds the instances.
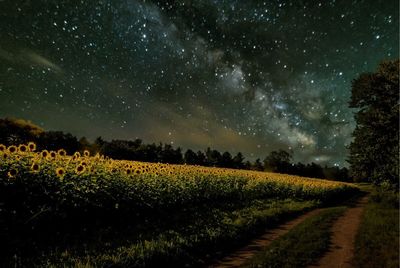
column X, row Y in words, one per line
column 247, row 76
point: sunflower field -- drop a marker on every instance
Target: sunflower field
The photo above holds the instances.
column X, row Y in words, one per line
column 139, row 212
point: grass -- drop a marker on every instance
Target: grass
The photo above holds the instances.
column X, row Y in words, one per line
column 377, row 241
column 184, row 244
column 302, row 245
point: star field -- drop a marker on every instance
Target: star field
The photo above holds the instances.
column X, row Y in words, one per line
column 247, row 76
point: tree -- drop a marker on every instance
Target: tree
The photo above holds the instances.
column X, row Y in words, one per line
column 258, row 165
column 190, row 157
column 54, row 140
column 17, row 131
column 226, row 160
column 238, row 160
column 278, row 161
column 201, row 158
column 213, row 157
column 374, row 152
column 84, row 144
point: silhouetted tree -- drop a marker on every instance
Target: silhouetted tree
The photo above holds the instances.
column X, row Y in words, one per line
column 84, row 144
column 226, row 160
column 314, row 170
column 17, row 131
column 374, row 152
column 336, row 173
column 247, row 165
column 190, row 157
column 213, row 157
column 201, row 158
column 54, row 140
column 238, row 160
column 278, row 161
column 258, row 165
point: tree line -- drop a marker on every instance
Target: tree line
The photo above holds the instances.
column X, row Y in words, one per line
column 17, row 131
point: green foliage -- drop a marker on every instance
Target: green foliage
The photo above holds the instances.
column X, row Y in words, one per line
column 49, row 198
column 302, row 245
column 277, row 161
column 374, row 152
column 377, row 240
column 217, row 230
column 17, row 131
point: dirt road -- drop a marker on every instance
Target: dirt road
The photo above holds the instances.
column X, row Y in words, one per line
column 238, row 257
column 344, row 231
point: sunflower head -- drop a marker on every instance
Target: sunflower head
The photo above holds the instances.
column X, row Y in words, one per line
column 12, row 173
column 60, row 172
column 2, row 148
column 61, row 152
column 22, row 148
column 128, row 171
column 86, row 153
column 31, row 146
column 44, row 153
column 4, row 155
column 35, row 167
column 80, row 169
column 76, row 156
column 12, row 149
column 53, row 154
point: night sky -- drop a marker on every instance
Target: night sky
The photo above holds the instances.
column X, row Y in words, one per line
column 247, row 76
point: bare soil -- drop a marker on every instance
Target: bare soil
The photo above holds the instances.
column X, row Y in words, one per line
column 344, row 232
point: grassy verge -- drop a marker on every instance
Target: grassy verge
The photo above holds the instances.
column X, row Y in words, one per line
column 302, row 245
column 377, row 241
column 185, row 244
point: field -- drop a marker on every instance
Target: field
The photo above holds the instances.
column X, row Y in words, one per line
column 80, row 210
column 377, row 241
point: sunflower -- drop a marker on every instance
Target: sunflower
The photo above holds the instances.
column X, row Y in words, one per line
column 53, row 154
column 35, row 167
column 86, row 153
column 128, row 171
column 4, row 155
column 2, row 148
column 80, row 169
column 44, row 153
column 22, row 148
column 61, row 152
column 12, row 149
column 12, row 173
column 60, row 172
column 31, row 146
